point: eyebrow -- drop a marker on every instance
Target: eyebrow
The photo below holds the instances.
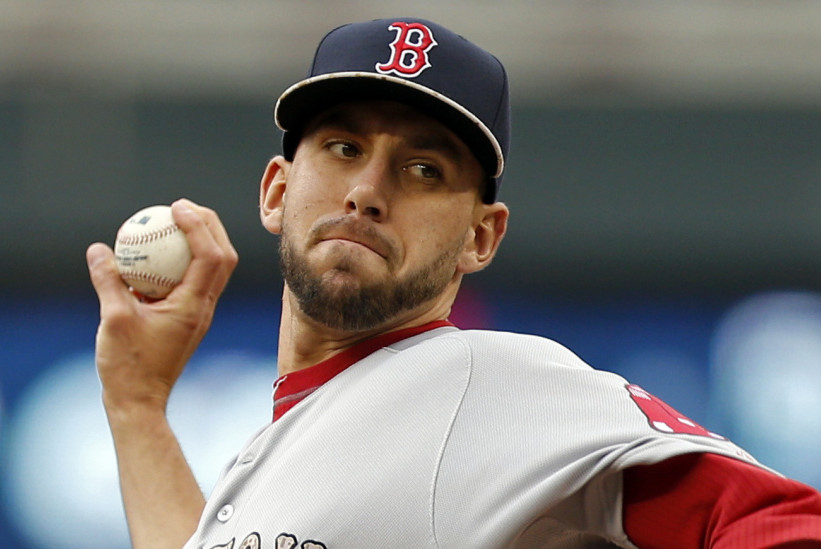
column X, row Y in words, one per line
column 437, row 141
column 335, row 119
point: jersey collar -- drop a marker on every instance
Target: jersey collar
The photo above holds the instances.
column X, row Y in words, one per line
column 290, row 389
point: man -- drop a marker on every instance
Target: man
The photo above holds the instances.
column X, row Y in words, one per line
column 392, row 428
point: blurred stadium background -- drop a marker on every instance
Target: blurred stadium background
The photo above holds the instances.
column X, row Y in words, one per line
column 664, row 179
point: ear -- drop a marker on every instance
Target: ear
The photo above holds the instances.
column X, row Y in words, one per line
column 272, row 193
column 489, row 227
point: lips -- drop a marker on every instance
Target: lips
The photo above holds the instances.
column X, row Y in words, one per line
column 356, row 232
column 354, row 241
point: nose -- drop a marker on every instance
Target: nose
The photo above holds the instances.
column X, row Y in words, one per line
column 367, row 196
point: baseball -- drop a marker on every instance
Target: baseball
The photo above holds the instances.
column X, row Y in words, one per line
column 152, row 252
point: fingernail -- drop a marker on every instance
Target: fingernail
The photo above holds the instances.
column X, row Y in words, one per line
column 182, row 205
column 93, row 256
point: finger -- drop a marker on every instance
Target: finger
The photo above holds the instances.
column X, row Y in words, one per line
column 212, row 222
column 105, row 277
column 213, row 256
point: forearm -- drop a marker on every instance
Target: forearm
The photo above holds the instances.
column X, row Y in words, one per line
column 162, row 499
column 141, row 350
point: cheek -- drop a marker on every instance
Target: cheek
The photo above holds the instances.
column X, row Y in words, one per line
column 436, row 232
column 453, row 222
column 303, row 202
column 311, row 191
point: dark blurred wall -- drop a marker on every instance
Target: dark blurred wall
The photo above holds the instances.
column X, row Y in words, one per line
column 604, row 199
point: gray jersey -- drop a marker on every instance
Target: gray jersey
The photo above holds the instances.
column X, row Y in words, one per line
column 450, row 439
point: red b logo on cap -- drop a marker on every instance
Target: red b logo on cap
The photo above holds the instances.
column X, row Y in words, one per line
column 409, row 51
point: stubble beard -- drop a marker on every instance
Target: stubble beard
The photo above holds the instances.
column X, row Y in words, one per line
column 356, row 306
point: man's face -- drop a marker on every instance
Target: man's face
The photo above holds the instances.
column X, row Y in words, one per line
column 379, row 204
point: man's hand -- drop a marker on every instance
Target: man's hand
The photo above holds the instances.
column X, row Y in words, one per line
column 142, row 348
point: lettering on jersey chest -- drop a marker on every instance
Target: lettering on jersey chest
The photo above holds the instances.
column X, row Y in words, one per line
column 283, row 541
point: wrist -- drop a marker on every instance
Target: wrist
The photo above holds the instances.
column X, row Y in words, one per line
column 137, row 409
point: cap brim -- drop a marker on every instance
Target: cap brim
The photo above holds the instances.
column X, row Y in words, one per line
column 307, row 98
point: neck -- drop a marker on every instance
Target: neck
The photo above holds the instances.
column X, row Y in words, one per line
column 304, row 342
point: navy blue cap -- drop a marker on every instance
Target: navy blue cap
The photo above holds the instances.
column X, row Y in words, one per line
column 416, row 62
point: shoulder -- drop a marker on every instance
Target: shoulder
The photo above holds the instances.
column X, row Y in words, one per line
column 520, row 370
column 552, row 391
column 498, row 347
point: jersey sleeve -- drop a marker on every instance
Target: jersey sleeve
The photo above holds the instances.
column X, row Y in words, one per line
column 712, row 501
column 569, row 434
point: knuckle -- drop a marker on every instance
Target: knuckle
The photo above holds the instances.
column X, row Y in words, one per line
column 232, row 257
column 218, row 256
column 197, row 322
column 208, row 212
column 213, row 255
column 206, row 216
column 118, row 318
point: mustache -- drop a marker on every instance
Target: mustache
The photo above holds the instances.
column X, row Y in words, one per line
column 354, row 229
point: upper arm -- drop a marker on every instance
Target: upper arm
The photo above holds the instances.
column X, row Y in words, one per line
column 710, row 501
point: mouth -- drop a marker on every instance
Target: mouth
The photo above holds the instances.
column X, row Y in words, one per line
column 354, row 233
column 356, row 243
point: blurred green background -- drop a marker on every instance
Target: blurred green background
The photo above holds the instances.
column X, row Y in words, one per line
column 659, row 145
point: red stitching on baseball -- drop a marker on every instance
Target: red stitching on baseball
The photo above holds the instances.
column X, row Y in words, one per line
column 143, row 238
column 150, row 277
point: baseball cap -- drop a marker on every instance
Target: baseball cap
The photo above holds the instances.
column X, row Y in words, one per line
column 416, row 62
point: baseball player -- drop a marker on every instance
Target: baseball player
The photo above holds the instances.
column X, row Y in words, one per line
column 391, row 426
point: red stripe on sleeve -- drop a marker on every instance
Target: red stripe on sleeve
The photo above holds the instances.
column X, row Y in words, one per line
column 711, row 501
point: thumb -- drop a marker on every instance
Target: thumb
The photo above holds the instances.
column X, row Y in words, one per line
column 105, row 277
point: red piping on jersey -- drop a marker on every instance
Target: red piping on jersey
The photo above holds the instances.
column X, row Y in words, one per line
column 291, row 388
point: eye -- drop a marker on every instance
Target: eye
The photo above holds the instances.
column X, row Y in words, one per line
column 424, row 171
column 344, row 149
